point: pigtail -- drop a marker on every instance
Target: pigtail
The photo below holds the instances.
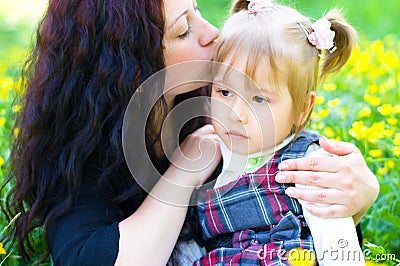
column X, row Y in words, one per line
column 238, row 5
column 345, row 39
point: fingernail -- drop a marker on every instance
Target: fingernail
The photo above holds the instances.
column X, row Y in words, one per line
column 280, row 178
column 289, row 191
column 283, row 166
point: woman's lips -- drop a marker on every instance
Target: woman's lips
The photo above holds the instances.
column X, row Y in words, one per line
column 236, row 135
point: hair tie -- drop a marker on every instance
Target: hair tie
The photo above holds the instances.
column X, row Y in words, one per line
column 320, row 35
column 256, row 6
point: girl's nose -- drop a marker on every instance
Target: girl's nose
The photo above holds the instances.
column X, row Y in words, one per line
column 238, row 111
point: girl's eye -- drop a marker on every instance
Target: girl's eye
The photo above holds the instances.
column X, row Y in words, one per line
column 260, row 99
column 186, row 33
column 226, row 93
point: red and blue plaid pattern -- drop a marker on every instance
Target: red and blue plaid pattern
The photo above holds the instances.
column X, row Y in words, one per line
column 257, row 221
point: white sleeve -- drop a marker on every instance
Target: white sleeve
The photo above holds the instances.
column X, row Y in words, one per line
column 335, row 239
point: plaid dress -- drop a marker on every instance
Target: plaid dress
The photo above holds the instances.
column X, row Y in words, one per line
column 252, row 221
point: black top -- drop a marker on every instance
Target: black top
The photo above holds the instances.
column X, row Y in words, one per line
column 88, row 233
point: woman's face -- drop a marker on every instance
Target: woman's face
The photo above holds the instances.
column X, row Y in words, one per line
column 188, row 36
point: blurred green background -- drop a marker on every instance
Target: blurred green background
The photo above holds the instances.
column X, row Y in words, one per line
column 372, row 18
column 368, row 116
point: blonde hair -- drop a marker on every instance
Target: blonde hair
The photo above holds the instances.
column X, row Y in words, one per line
column 276, row 37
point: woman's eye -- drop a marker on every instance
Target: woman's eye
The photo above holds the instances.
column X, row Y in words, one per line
column 197, row 10
column 260, row 99
column 226, row 93
column 186, row 33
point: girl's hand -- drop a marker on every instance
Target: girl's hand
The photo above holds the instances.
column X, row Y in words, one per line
column 349, row 186
column 196, row 158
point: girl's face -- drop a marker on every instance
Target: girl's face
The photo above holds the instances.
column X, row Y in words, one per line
column 250, row 119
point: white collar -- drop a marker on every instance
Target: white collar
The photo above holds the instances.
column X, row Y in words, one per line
column 235, row 165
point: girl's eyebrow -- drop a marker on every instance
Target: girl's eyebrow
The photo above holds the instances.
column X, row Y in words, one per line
column 266, row 91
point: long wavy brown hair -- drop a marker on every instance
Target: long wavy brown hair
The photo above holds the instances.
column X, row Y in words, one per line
column 88, row 60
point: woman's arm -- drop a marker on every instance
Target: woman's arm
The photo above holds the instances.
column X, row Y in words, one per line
column 148, row 236
column 90, row 232
column 350, row 186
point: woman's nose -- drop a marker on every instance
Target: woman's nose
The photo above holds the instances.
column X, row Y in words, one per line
column 238, row 111
column 210, row 33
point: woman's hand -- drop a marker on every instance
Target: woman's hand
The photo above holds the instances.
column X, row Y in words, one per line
column 196, row 158
column 349, row 186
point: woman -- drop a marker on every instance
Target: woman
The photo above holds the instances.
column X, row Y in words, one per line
column 67, row 161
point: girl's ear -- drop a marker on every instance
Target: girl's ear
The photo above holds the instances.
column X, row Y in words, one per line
column 238, row 5
column 309, row 104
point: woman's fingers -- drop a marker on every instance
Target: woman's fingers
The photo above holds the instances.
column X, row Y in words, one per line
column 327, row 196
column 332, row 199
column 197, row 156
column 338, row 147
column 204, row 130
column 323, row 164
column 318, row 164
column 319, row 179
column 328, row 211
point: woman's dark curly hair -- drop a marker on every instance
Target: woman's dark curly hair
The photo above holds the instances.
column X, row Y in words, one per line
column 89, row 58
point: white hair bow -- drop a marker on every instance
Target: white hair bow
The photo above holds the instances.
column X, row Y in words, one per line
column 258, row 5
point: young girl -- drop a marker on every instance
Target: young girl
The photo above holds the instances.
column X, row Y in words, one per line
column 246, row 217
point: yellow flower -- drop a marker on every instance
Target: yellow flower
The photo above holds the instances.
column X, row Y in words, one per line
column 1, row 163
column 383, row 171
column 328, row 131
column 365, row 112
column 377, row 72
column 16, row 108
column 390, row 164
column 377, row 47
column 397, row 107
column 391, row 60
column 385, row 109
column 372, row 88
column 373, row 100
column 391, row 121
column 330, row 87
column 319, row 100
column 396, row 150
column 2, row 121
column 376, row 132
column 375, row 153
column 358, row 130
column 2, row 250
column 6, row 84
column 323, row 113
column 396, row 140
column 373, row 263
column 333, row 103
column 16, row 132
column 301, row 257
column 388, row 132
